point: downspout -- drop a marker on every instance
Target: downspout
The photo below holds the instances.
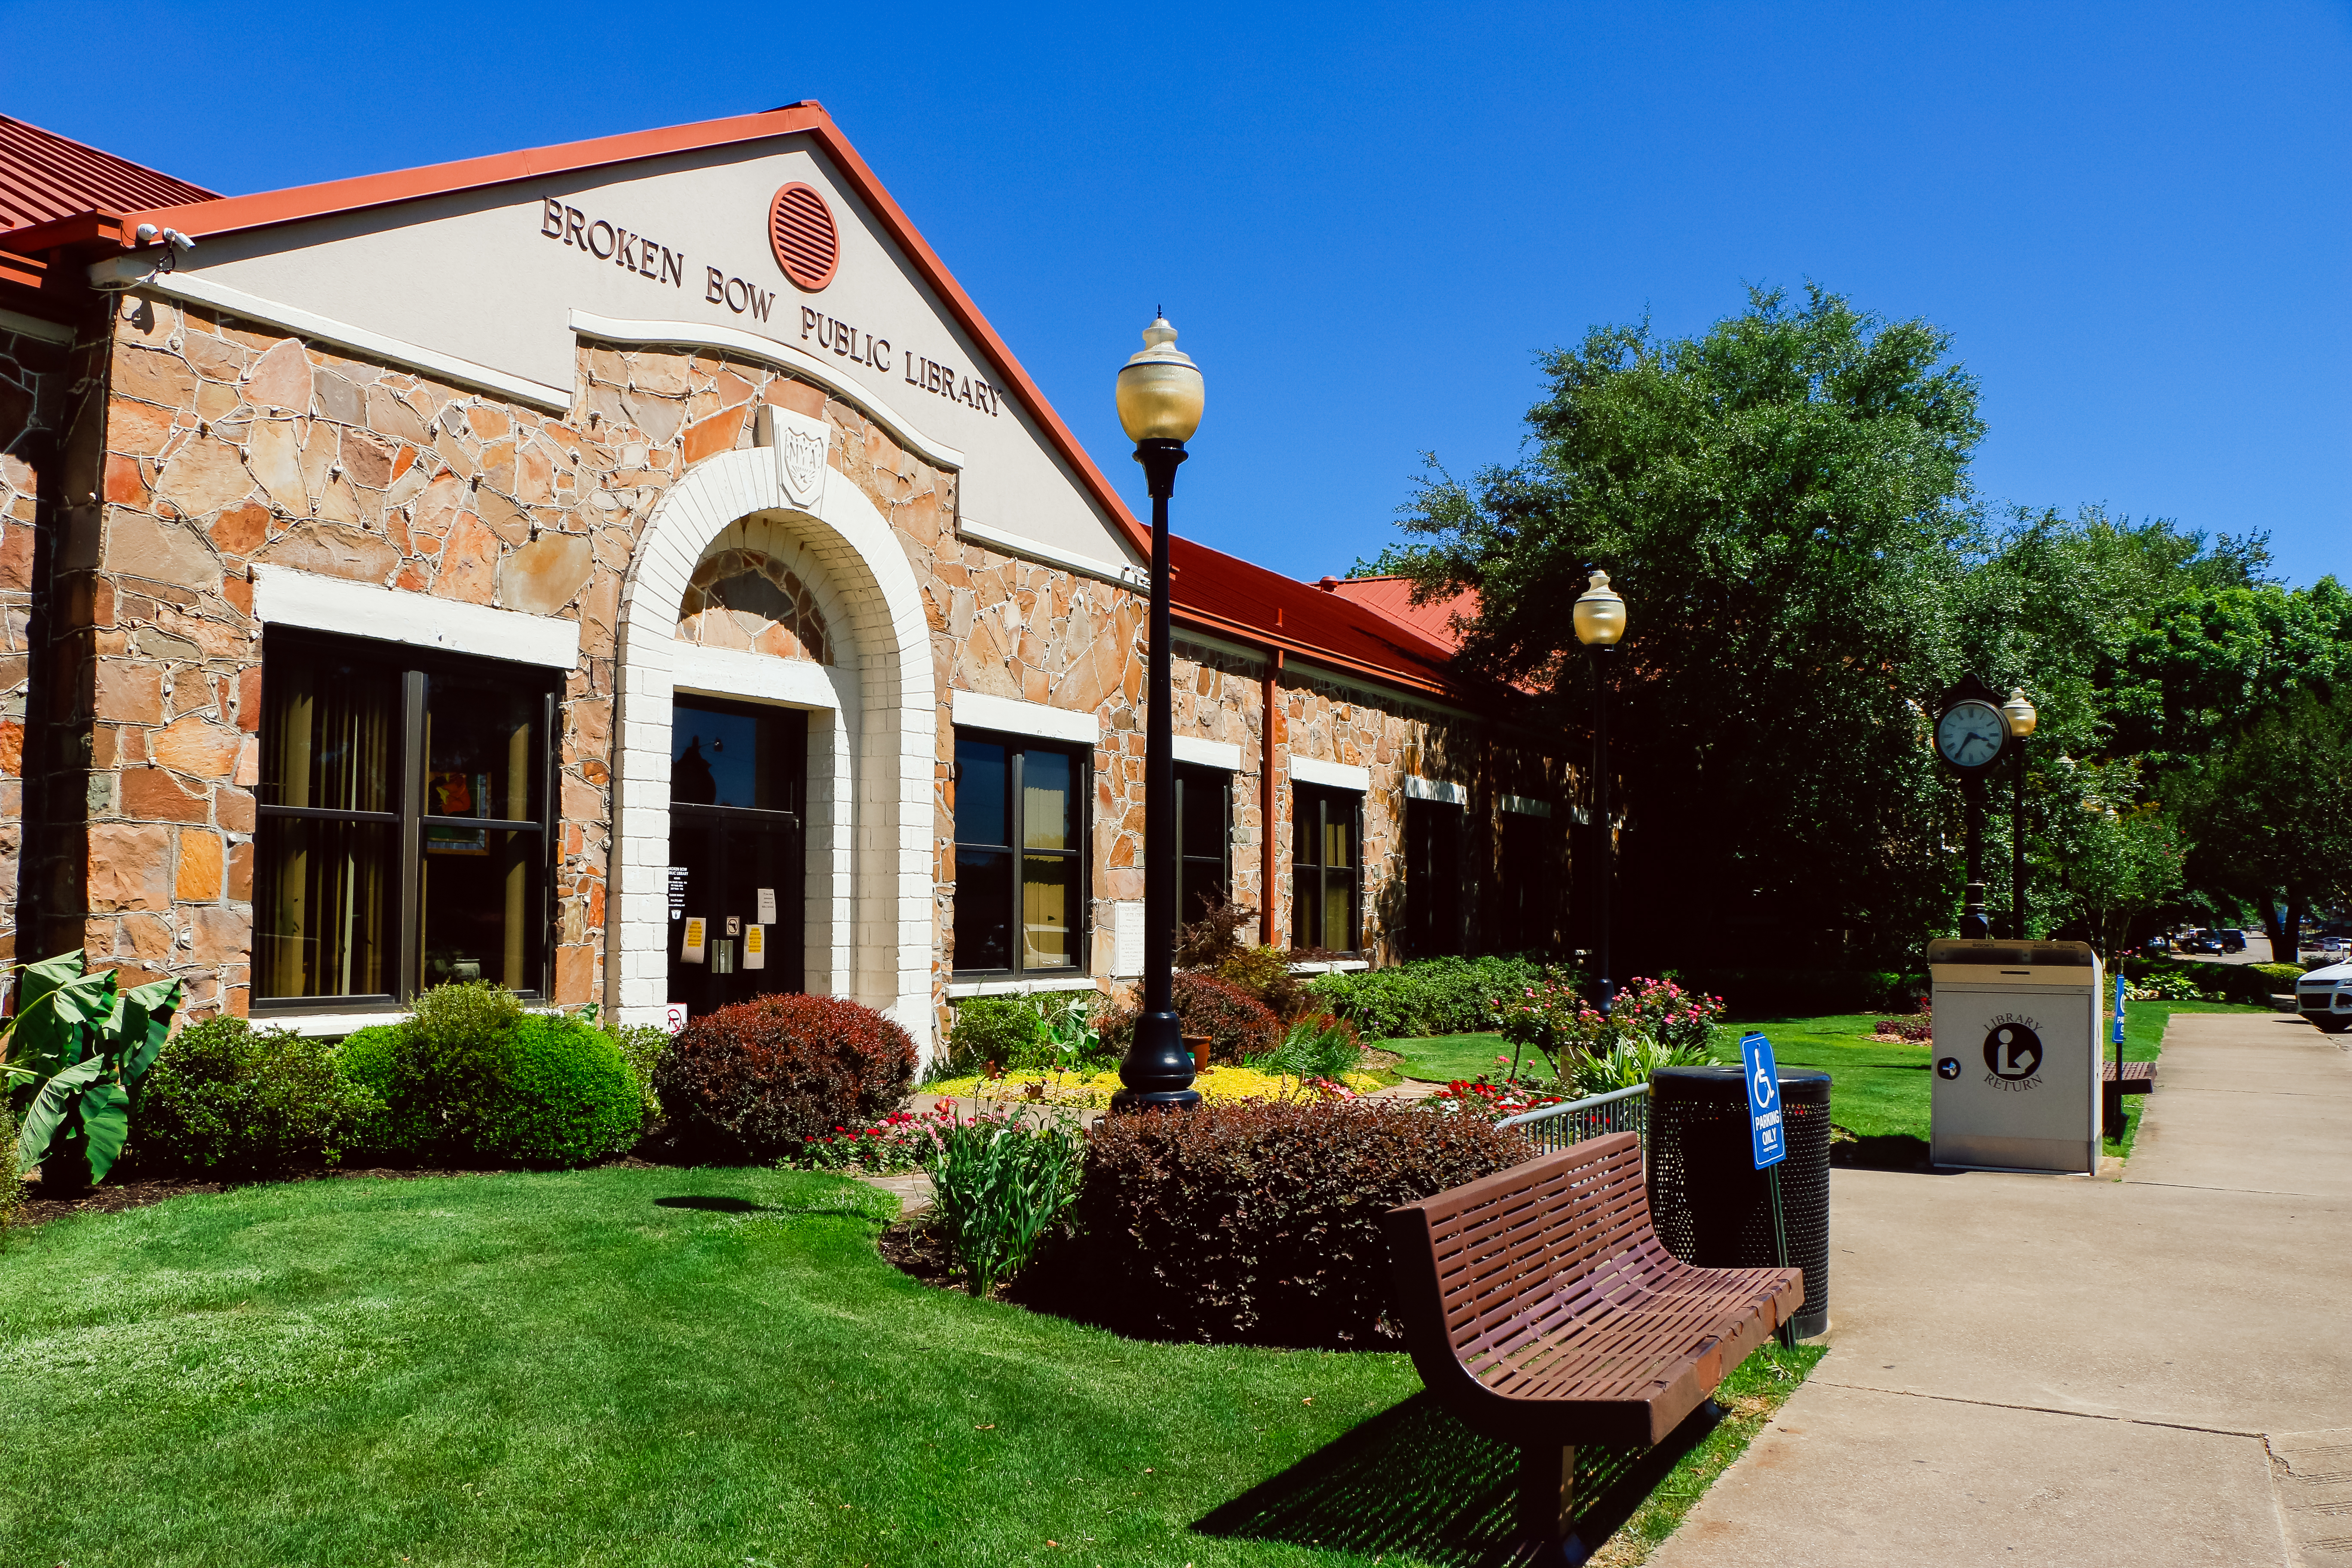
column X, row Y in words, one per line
column 1267, row 838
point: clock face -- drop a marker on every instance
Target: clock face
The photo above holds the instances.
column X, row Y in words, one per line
column 1970, row 733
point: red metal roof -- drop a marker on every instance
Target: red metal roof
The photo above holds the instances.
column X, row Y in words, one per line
column 1224, row 593
column 1392, row 596
column 43, row 175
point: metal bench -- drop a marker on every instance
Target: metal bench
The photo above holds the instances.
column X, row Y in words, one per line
column 2115, row 1081
column 1541, row 1308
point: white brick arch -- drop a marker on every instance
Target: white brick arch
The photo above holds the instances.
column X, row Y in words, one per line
column 870, row 873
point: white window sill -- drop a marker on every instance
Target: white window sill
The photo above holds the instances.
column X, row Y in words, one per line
column 959, row 989
column 347, row 1022
column 1335, row 966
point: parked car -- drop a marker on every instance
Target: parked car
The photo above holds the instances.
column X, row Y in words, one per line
column 2324, row 996
column 2200, row 941
column 2231, row 939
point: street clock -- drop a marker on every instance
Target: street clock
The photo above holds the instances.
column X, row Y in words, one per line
column 1971, row 733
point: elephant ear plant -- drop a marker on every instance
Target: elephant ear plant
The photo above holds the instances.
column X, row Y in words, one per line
column 86, row 1043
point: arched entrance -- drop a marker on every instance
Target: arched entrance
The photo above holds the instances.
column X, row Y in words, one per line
column 872, row 718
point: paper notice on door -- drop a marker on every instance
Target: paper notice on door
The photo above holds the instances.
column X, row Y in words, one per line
column 692, row 952
column 755, row 947
column 767, row 906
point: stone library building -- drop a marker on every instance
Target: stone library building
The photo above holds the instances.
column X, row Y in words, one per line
column 635, row 572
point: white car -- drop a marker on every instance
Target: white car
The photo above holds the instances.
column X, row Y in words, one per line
column 2324, row 996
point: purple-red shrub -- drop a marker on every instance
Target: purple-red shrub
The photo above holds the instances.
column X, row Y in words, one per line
column 1237, row 1024
column 757, row 1080
column 1260, row 1223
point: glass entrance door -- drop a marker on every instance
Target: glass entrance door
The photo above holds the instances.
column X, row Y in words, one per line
column 737, row 862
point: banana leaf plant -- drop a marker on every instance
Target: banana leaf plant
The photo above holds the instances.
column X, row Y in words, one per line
column 85, row 1043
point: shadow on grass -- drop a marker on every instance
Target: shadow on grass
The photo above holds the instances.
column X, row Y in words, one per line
column 1416, row 1482
column 1881, row 1151
column 715, row 1205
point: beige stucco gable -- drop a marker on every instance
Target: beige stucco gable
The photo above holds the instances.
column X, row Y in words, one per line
column 496, row 284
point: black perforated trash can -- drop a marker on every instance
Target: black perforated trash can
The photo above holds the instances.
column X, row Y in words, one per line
column 1712, row 1206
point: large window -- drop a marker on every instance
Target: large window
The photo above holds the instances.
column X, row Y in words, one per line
column 1020, row 823
column 1204, row 853
column 403, row 840
column 1432, row 877
column 1324, row 868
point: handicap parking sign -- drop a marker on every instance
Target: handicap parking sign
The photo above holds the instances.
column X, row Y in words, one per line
column 1764, row 1123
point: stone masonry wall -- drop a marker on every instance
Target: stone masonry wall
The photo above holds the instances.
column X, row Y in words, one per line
column 216, row 447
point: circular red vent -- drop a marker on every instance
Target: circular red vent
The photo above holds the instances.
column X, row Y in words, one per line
column 800, row 232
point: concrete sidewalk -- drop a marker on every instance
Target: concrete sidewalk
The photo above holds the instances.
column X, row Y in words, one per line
column 2068, row 1371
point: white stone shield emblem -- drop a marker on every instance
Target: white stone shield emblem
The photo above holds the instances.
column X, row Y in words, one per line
column 800, row 444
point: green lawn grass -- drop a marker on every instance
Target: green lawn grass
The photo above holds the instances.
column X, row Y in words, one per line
column 1878, row 1092
column 641, row 1366
column 1442, row 1058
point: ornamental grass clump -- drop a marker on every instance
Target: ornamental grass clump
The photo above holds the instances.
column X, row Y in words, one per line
column 1001, row 1185
column 1259, row 1223
column 757, row 1082
column 1318, row 1047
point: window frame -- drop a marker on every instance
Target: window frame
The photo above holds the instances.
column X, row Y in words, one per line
column 413, row 668
column 1322, row 798
column 1190, row 775
column 1017, row 748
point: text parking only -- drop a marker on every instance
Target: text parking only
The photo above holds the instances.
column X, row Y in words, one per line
column 1764, row 1124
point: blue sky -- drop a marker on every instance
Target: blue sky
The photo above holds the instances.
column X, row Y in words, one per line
column 2135, row 219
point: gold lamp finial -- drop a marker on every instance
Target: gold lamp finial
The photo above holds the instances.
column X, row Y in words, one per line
column 2020, row 713
column 1599, row 614
column 1161, row 390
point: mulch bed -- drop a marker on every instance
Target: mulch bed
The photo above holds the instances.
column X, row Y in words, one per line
column 917, row 1251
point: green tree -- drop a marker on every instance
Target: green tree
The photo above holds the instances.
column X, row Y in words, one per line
column 1784, row 501
column 2205, row 657
column 2117, row 857
column 2272, row 814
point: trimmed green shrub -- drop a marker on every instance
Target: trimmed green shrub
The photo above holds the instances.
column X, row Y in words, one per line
column 1808, row 993
column 2264, row 980
column 641, row 1046
column 757, row 1080
column 1427, row 995
column 470, row 1078
column 567, row 1096
column 1000, row 1029
column 1238, row 1024
column 2251, row 984
column 369, row 1059
column 459, row 1056
column 225, row 1099
column 1259, row 1223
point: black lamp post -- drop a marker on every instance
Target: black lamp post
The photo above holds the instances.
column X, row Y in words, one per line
column 1160, row 397
column 1599, row 616
column 2020, row 713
